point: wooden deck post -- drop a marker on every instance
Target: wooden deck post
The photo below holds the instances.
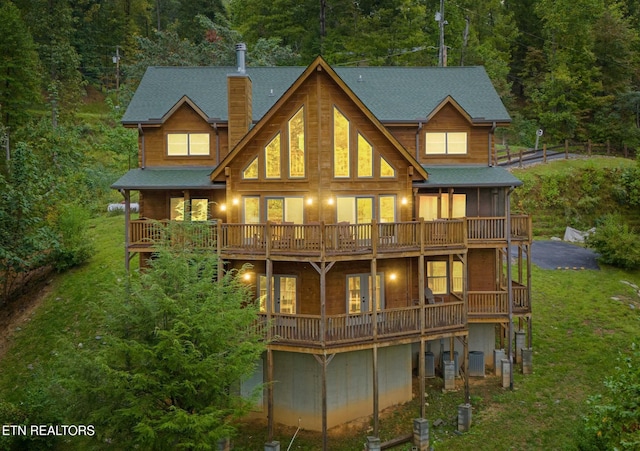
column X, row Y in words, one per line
column 421, row 358
column 127, row 220
column 421, row 377
column 219, row 249
column 324, row 361
column 374, row 307
column 269, row 307
column 376, row 419
column 269, row 393
column 465, row 364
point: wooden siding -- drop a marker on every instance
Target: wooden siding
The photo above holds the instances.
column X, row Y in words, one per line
column 239, row 92
column 448, row 119
column 318, row 95
column 184, row 120
column 481, row 270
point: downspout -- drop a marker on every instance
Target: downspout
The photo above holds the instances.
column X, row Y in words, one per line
column 141, row 133
column 418, row 141
column 215, row 127
column 493, row 129
column 509, row 284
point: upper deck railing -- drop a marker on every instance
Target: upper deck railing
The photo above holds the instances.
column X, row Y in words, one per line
column 315, row 239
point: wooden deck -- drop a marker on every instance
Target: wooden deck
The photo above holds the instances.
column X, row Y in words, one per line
column 427, row 320
column 319, row 240
column 483, row 304
column 350, row 329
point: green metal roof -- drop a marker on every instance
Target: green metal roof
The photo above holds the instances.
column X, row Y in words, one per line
column 393, row 94
column 165, row 178
column 468, row 177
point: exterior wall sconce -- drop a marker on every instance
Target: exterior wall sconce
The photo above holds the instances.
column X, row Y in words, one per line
column 309, row 200
column 235, row 201
column 404, row 201
column 393, row 277
column 330, row 201
column 223, row 207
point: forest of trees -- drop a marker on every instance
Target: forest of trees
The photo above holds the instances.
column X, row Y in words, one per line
column 569, row 67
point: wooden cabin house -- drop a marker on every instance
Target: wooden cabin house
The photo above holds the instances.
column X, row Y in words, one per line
column 367, row 202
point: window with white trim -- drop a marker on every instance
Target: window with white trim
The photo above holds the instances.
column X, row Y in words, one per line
column 187, row 144
column 446, row 143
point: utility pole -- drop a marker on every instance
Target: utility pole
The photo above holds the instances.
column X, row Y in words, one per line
column 442, row 53
column 465, row 40
column 116, row 60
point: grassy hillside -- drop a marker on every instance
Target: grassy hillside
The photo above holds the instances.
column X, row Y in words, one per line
column 577, row 193
column 582, row 320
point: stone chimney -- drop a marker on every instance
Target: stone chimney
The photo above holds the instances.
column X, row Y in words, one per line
column 239, row 96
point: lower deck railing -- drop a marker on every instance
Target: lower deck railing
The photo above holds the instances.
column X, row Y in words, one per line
column 497, row 302
column 361, row 328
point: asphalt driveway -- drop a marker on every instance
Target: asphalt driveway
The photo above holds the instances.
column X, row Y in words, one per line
column 561, row 255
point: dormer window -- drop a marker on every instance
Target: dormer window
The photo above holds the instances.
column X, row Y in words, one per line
column 187, row 144
column 446, row 143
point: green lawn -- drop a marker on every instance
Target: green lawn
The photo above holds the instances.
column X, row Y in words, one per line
column 579, row 330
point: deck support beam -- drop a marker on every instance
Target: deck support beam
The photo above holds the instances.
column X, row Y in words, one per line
column 127, row 219
column 324, row 361
column 269, row 307
column 465, row 365
column 374, row 305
